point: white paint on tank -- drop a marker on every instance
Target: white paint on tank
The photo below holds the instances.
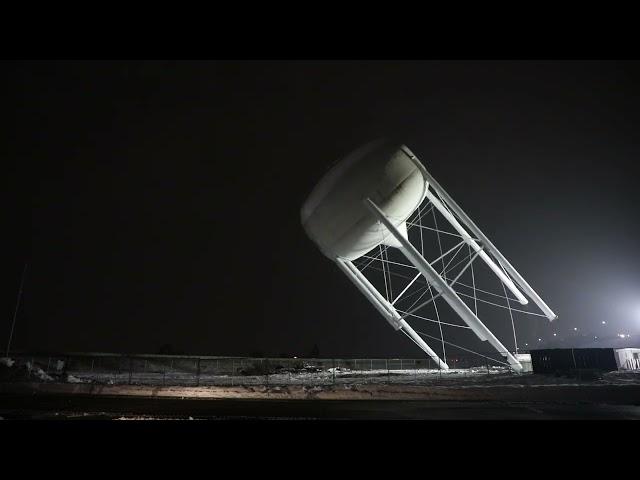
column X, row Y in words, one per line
column 334, row 215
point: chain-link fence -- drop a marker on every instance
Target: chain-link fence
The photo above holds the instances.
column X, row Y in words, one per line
column 169, row 370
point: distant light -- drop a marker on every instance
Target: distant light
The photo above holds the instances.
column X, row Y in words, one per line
column 526, row 344
column 595, row 338
column 603, row 322
column 295, row 357
column 575, row 328
column 554, row 334
column 539, row 339
column 621, row 335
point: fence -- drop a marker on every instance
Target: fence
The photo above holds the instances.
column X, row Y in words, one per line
column 169, row 370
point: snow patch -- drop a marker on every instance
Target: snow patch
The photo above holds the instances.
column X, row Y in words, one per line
column 7, row 362
column 40, row 374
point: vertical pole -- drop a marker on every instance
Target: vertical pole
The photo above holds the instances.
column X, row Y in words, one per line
column 388, row 372
column 233, row 370
column 48, row 364
column 266, row 374
column 198, row 373
column 333, row 362
column 130, row 369
column 15, row 312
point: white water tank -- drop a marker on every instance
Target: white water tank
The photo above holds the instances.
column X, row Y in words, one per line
column 334, row 215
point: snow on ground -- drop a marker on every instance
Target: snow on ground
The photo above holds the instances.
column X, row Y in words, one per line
column 41, row 375
column 37, row 372
column 149, row 417
column 307, row 375
column 347, row 378
column 7, row 362
column 72, row 379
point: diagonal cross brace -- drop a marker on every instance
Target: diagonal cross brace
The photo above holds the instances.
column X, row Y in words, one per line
column 442, row 287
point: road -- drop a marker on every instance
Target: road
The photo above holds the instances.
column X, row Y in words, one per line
column 85, row 407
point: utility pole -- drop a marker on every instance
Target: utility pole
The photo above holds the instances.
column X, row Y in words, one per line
column 15, row 313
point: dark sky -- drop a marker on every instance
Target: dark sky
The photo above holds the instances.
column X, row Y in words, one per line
column 158, row 202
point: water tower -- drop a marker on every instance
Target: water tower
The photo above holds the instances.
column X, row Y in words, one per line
column 368, row 203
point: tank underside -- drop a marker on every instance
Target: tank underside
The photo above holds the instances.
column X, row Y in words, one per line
column 334, row 215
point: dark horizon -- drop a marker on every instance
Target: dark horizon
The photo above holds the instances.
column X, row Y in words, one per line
column 158, row 202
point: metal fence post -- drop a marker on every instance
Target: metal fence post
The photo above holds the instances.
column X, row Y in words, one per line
column 233, row 370
column 333, row 362
column 198, row 373
column 388, row 372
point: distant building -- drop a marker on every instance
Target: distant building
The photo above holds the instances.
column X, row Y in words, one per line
column 557, row 360
column 628, row 358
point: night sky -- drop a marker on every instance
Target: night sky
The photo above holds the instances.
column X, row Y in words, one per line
column 158, row 202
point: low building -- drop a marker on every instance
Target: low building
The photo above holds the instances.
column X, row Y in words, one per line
column 628, row 358
column 558, row 360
